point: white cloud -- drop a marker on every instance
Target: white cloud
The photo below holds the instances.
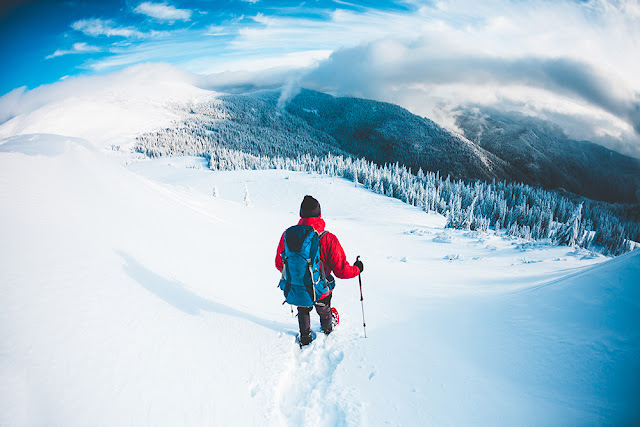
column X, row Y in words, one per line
column 294, row 60
column 76, row 49
column 163, row 12
column 158, row 50
column 100, row 27
column 218, row 30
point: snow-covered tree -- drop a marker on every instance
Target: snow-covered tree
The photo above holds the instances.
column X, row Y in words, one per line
column 247, row 198
column 568, row 233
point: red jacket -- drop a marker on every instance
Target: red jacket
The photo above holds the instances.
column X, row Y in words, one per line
column 331, row 253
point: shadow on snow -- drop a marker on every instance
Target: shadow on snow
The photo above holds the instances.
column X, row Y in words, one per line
column 182, row 298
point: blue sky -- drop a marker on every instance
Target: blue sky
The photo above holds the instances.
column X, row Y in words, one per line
column 573, row 62
column 49, row 40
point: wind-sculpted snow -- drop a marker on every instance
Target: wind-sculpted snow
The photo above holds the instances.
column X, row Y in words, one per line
column 36, row 145
column 132, row 296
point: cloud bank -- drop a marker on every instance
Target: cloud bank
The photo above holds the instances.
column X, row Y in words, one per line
column 384, row 68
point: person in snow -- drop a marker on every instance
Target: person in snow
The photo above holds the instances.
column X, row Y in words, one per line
column 333, row 261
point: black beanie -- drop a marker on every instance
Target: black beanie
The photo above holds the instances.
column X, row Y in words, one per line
column 309, row 207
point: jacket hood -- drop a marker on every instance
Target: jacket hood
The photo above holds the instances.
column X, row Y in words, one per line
column 316, row 222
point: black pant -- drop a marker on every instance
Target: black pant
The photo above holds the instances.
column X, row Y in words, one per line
column 323, row 308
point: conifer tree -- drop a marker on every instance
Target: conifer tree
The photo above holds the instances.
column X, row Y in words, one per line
column 247, row 199
column 568, row 233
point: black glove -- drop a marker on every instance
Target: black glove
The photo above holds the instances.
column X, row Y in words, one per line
column 358, row 264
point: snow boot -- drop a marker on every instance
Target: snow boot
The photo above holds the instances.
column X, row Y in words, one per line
column 305, row 339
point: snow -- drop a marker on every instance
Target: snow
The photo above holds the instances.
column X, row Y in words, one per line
column 130, row 295
column 106, row 110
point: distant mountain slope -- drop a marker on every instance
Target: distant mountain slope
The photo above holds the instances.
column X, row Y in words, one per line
column 543, row 153
column 387, row 133
column 248, row 123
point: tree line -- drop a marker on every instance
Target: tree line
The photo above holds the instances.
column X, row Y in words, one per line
column 521, row 210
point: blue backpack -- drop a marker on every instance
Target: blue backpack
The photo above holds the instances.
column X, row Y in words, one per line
column 303, row 278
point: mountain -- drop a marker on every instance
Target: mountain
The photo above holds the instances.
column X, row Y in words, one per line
column 315, row 123
column 548, row 158
column 503, row 148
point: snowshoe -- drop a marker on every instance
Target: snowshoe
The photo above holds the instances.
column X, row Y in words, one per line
column 335, row 315
column 335, row 319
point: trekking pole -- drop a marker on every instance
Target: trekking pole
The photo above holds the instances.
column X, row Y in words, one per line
column 364, row 325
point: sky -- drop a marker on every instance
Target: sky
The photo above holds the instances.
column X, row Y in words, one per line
column 573, row 62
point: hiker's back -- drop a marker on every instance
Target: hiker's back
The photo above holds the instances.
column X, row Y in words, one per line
column 303, row 277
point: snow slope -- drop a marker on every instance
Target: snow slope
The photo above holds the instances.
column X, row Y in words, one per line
column 129, row 295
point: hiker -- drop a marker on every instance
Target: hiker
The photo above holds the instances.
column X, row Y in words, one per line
column 332, row 260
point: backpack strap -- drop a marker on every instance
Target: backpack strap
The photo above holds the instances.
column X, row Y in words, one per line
column 322, row 273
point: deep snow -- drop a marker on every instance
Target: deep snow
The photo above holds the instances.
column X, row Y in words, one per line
column 130, row 295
